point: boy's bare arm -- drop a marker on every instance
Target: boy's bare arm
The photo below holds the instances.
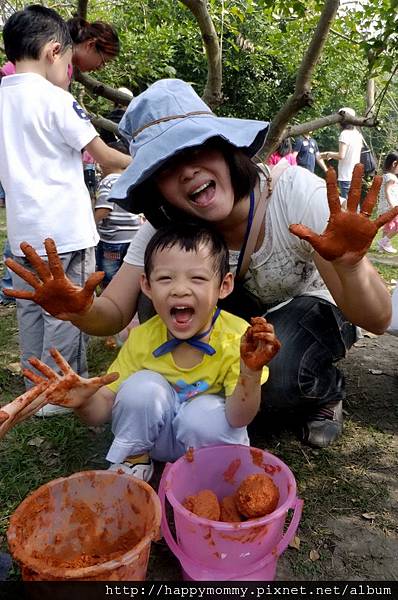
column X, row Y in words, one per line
column 258, row 346
column 108, row 157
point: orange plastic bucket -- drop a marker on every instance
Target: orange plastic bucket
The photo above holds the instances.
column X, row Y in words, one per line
column 93, row 525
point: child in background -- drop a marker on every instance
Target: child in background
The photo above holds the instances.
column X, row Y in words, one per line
column 41, row 172
column 388, row 198
column 191, row 375
column 284, row 150
column 116, row 227
column 90, row 174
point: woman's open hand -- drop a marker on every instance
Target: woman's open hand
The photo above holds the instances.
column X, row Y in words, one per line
column 349, row 233
column 258, row 344
column 52, row 290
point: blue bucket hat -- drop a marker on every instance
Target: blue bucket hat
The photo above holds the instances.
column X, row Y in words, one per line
column 166, row 118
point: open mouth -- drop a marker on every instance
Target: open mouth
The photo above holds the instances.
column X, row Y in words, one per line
column 182, row 315
column 204, row 194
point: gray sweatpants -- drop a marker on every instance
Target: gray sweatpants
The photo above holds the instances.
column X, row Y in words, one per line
column 39, row 331
column 148, row 416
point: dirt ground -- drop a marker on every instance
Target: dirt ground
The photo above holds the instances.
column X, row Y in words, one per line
column 360, row 548
column 350, row 544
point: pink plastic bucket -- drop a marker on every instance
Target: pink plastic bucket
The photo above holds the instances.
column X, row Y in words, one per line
column 217, row 551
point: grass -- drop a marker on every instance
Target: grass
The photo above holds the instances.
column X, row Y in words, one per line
column 334, row 482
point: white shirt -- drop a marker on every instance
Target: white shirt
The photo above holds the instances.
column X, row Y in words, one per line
column 383, row 206
column 283, row 267
column 42, row 133
column 353, row 139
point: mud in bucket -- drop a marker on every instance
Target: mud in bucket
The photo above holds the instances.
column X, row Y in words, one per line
column 217, row 551
column 94, row 525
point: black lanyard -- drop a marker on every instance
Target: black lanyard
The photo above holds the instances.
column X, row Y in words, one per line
column 247, row 233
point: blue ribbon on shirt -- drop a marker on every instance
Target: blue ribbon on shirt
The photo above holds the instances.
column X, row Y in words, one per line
column 192, row 341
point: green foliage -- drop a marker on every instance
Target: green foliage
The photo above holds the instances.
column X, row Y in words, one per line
column 263, row 42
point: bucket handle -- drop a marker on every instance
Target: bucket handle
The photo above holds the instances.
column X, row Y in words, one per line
column 297, row 507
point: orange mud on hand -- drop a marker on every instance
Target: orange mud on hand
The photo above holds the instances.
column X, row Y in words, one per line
column 256, row 496
column 349, row 233
column 52, row 290
column 189, row 454
column 203, row 504
column 3, row 416
column 28, row 403
column 258, row 344
column 67, row 389
column 228, row 511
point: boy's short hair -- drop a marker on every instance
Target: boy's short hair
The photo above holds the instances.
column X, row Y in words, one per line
column 27, row 31
column 189, row 237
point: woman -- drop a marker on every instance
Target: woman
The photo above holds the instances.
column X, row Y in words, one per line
column 94, row 44
column 189, row 164
column 284, row 150
column 349, row 154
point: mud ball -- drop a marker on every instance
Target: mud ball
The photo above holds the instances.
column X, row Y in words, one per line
column 229, row 512
column 256, row 496
column 203, row 504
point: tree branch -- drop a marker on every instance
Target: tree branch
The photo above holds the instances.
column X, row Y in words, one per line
column 302, row 93
column 82, row 6
column 101, row 89
column 103, row 123
column 370, row 97
column 294, row 130
column 212, row 94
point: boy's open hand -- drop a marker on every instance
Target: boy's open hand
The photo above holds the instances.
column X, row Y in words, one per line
column 68, row 388
column 348, row 234
column 258, row 344
column 52, row 290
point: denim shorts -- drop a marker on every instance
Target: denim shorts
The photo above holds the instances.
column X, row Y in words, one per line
column 314, row 335
column 109, row 259
column 344, row 187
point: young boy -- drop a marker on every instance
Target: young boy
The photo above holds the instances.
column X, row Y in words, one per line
column 42, row 133
column 116, row 226
column 191, row 375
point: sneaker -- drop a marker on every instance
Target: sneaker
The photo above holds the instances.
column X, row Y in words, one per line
column 7, row 300
column 386, row 247
column 143, row 471
column 52, row 410
column 325, row 426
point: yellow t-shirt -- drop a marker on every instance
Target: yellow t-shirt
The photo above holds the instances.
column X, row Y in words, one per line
column 216, row 374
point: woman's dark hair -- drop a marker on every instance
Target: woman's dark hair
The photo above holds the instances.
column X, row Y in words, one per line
column 27, row 31
column 159, row 212
column 346, row 126
column 285, row 147
column 189, row 237
column 391, row 158
column 105, row 36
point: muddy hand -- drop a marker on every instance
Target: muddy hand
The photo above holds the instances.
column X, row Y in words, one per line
column 258, row 344
column 52, row 290
column 10, row 414
column 348, row 234
column 68, row 388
